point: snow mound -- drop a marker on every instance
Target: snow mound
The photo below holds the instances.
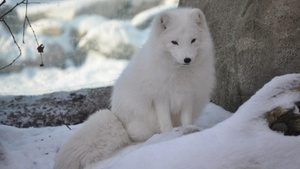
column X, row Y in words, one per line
column 35, row 148
column 242, row 141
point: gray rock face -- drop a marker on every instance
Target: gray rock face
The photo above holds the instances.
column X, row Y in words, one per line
column 53, row 109
column 255, row 40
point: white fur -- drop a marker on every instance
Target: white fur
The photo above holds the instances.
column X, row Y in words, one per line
column 157, row 91
column 98, row 138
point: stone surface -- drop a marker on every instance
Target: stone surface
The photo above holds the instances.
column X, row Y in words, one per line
column 285, row 120
column 53, row 109
column 255, row 40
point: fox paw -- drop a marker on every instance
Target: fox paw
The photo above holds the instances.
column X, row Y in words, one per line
column 185, row 130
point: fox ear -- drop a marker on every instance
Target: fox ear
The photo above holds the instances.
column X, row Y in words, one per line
column 198, row 16
column 161, row 23
column 164, row 20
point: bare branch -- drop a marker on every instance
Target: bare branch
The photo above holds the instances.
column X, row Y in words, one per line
column 68, row 127
column 26, row 19
column 1, row 17
column 20, row 52
column 3, row 2
column 24, row 23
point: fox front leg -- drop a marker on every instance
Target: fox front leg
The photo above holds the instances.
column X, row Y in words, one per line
column 163, row 116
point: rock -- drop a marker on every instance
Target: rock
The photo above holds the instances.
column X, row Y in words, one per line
column 59, row 108
column 254, row 41
column 285, row 120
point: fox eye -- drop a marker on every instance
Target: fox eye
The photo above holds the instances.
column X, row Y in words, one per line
column 193, row 40
column 174, row 42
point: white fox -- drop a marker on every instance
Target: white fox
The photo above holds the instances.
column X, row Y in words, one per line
column 167, row 84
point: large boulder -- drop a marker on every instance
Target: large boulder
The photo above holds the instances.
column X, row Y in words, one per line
column 254, row 41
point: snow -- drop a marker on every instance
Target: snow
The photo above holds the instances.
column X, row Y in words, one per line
column 35, row 148
column 96, row 71
column 32, row 148
column 241, row 140
column 84, row 23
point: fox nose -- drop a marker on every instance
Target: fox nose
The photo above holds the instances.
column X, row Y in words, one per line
column 187, row 60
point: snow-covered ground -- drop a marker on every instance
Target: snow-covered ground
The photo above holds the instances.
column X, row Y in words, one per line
column 242, row 140
column 35, row 148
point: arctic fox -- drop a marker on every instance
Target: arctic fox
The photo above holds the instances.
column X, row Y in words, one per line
column 169, row 81
column 166, row 84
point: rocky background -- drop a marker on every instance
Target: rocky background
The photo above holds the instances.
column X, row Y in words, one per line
column 255, row 40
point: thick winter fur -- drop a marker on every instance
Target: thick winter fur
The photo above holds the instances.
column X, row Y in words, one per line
column 167, row 84
column 98, row 138
column 158, row 90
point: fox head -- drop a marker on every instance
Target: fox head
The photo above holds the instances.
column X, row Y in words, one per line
column 181, row 33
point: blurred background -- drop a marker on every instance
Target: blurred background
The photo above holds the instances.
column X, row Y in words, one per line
column 87, row 43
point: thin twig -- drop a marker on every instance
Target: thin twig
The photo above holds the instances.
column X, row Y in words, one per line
column 24, row 26
column 1, row 17
column 11, row 33
column 20, row 52
column 3, row 2
column 24, row 22
column 68, row 127
column 26, row 19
